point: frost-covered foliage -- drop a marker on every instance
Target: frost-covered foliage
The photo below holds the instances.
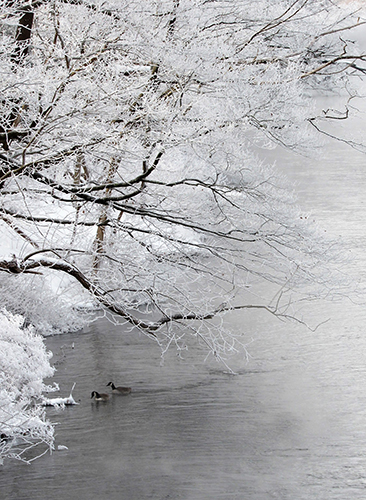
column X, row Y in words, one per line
column 41, row 304
column 129, row 134
column 24, row 363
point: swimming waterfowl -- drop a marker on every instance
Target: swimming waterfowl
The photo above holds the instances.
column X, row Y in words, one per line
column 119, row 389
column 99, row 397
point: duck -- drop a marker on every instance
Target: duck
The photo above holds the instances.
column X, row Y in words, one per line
column 99, row 397
column 119, row 389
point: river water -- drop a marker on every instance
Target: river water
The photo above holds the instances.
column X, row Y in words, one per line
column 291, row 425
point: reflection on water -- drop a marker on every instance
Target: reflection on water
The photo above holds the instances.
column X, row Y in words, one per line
column 289, row 426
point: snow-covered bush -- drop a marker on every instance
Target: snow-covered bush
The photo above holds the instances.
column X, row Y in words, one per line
column 24, row 363
column 51, row 309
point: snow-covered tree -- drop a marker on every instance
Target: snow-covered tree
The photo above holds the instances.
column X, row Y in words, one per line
column 129, row 133
column 24, row 363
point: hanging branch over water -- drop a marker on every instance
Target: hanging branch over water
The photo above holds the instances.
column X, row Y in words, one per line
column 128, row 138
column 28, row 266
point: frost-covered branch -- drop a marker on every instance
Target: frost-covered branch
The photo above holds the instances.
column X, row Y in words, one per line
column 128, row 165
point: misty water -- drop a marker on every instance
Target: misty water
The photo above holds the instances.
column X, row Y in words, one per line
column 290, row 425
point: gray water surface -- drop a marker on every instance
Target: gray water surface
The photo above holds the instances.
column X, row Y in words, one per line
column 291, row 425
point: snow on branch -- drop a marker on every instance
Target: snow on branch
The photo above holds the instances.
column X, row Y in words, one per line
column 129, row 134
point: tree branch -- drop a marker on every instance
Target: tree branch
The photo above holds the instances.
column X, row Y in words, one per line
column 17, row 267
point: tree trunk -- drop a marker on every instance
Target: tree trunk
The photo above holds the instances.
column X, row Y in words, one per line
column 23, row 35
column 100, row 236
